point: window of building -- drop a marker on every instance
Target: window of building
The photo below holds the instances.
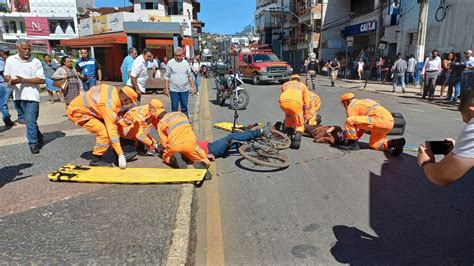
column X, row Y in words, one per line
column 149, row 4
column 175, row 7
column 412, row 38
column 61, row 26
column 22, row 27
column 12, row 27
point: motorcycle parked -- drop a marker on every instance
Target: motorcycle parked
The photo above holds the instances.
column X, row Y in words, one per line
column 229, row 88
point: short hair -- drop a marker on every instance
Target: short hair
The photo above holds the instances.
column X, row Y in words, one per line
column 44, row 55
column 132, row 49
column 85, row 49
column 435, row 51
column 22, row 41
column 412, row 55
column 178, row 50
column 146, row 50
column 467, row 97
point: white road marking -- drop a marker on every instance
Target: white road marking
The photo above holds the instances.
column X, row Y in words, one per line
column 18, row 140
column 330, row 90
column 413, row 109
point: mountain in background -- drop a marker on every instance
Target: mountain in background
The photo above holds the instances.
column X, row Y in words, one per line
column 247, row 29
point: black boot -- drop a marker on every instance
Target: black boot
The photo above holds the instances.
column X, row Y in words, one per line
column 8, row 123
column 296, row 141
column 177, row 161
column 397, row 145
column 202, row 165
column 97, row 161
column 350, row 145
column 40, row 141
column 332, row 83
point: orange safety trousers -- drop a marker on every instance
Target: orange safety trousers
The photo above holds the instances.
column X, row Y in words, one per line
column 96, row 127
column 293, row 114
column 313, row 109
column 379, row 128
column 190, row 150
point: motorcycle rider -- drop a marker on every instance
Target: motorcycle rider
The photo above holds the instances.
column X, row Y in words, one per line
column 311, row 64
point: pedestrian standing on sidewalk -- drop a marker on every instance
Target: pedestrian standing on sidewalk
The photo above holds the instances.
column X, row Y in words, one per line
column 448, row 58
column 89, row 70
column 25, row 74
column 49, row 68
column 74, row 83
column 411, row 69
column 431, row 71
column 385, row 69
column 5, row 90
column 360, row 68
column 179, row 79
column 139, row 73
column 196, row 67
column 127, row 64
column 468, row 75
column 398, row 70
column 457, row 68
column 379, row 65
column 334, row 66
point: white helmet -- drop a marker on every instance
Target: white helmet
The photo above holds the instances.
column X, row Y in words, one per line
column 312, row 56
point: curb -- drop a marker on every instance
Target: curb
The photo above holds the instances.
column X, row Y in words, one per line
column 179, row 245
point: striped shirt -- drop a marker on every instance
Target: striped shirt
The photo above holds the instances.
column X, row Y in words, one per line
column 178, row 74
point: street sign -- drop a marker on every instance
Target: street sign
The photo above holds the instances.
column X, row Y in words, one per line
column 350, row 43
column 350, row 38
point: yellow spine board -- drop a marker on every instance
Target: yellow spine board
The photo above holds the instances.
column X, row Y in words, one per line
column 227, row 126
column 114, row 175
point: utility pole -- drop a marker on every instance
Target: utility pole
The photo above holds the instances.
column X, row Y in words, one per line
column 420, row 44
column 378, row 36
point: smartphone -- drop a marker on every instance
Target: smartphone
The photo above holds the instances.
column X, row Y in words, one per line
column 439, row 147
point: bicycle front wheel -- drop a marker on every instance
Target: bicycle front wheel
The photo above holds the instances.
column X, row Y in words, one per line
column 274, row 160
column 279, row 139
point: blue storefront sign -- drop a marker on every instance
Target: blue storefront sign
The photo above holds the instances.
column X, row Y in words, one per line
column 362, row 28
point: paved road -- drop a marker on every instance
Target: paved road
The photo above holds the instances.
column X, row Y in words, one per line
column 331, row 206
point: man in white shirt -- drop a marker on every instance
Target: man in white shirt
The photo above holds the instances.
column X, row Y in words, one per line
column 461, row 158
column 430, row 72
column 139, row 74
column 468, row 74
column 25, row 74
column 411, row 68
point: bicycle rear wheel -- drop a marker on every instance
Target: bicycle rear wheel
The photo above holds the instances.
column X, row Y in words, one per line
column 279, row 139
column 274, row 160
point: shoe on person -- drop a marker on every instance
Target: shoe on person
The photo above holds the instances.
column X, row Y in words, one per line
column 34, row 148
column 40, row 141
column 350, row 145
column 397, row 145
column 202, row 165
column 177, row 161
column 296, row 141
column 403, row 90
column 129, row 155
column 8, row 123
column 21, row 122
column 267, row 130
column 97, row 161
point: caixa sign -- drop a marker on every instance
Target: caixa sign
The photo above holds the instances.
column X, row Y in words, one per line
column 362, row 28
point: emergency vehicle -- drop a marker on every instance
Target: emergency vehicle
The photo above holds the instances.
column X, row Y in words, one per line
column 260, row 65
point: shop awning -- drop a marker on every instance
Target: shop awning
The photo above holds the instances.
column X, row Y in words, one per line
column 102, row 40
column 187, row 41
column 159, row 41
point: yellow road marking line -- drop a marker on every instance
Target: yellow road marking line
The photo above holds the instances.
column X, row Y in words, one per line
column 215, row 241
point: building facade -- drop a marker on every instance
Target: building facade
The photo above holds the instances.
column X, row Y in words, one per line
column 43, row 22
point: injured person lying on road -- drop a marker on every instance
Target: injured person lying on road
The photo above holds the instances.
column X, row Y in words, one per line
column 333, row 135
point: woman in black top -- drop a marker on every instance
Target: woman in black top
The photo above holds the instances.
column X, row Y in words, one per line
column 457, row 67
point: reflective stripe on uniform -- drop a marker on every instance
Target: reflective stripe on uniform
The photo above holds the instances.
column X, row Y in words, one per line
column 141, row 137
column 369, row 119
column 371, row 108
column 126, row 130
column 109, row 96
column 115, row 140
column 380, row 147
column 100, row 145
column 351, row 132
column 87, row 103
column 173, row 127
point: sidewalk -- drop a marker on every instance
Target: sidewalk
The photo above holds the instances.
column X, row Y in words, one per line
column 44, row 222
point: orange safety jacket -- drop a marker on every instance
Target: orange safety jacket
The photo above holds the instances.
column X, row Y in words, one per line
column 174, row 128
column 138, row 121
column 370, row 108
column 295, row 91
column 101, row 102
column 315, row 102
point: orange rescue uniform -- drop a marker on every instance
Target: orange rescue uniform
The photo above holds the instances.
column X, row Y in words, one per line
column 294, row 98
column 176, row 135
column 367, row 114
column 136, row 124
column 313, row 109
column 96, row 111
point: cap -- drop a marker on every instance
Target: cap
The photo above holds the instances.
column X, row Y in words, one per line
column 347, row 96
column 4, row 49
column 156, row 104
column 468, row 52
column 130, row 94
column 297, row 77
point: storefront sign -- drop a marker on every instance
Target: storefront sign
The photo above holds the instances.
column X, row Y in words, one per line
column 115, row 22
column 85, row 27
column 36, row 26
column 135, row 17
column 99, row 24
column 185, row 24
column 153, row 18
column 362, row 28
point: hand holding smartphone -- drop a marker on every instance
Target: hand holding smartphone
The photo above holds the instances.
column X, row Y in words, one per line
column 440, row 147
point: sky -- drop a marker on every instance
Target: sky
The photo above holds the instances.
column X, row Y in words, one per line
column 220, row 16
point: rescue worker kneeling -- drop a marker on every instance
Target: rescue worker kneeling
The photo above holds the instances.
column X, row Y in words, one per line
column 294, row 98
column 311, row 114
column 97, row 111
column 364, row 115
column 137, row 123
column 178, row 140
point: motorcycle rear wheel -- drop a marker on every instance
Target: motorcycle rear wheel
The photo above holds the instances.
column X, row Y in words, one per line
column 239, row 103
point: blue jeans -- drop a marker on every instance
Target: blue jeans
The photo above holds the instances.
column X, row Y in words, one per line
column 221, row 147
column 397, row 76
column 18, row 109
column 379, row 74
column 179, row 98
column 410, row 76
column 196, row 82
column 5, row 92
column 456, row 84
column 30, row 111
column 89, row 83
